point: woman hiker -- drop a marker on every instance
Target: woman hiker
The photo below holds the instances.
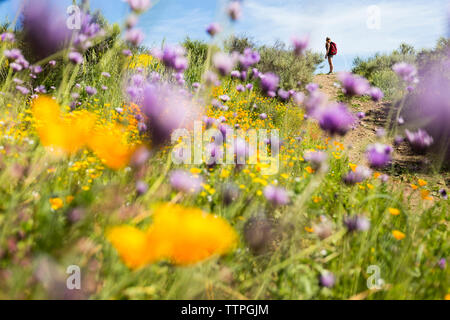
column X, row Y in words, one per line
column 331, row 52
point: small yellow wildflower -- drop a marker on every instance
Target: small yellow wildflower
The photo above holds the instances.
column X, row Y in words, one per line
column 398, row 235
column 422, row 183
column 353, row 166
column 56, row 203
column 425, row 194
column 394, row 212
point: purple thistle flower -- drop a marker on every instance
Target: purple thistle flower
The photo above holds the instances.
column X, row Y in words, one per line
column 357, row 223
column 7, row 37
column 184, row 181
column 40, row 89
column 127, row 52
column 443, row 194
column 76, row 57
column 353, row 85
column 398, row 140
column 167, row 109
column 131, row 21
column 336, row 119
column 300, row 45
column 106, row 74
column 442, row 263
column 311, row 87
column 224, row 98
column 420, row 141
column 269, row 82
column 240, row 88
column 249, row 58
column 263, row 116
column 298, row 98
column 141, row 187
column 235, row 74
column 12, row 54
column 317, row 159
column 22, row 90
column 249, row 87
column 36, row 69
column 45, row 27
column 276, row 196
column 134, row 36
column 360, row 174
column 139, row 5
column 376, row 94
column 327, row 280
column 283, row 94
column 224, row 63
column 213, row 29
column 91, row 91
column 406, row 71
column 16, row 67
column 379, row 155
column 52, row 63
column 234, row 10
column 360, row 115
column 380, row 132
column 315, row 102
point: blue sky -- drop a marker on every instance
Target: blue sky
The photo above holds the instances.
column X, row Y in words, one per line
column 419, row 23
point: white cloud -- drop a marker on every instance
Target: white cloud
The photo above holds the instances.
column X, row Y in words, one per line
column 419, row 23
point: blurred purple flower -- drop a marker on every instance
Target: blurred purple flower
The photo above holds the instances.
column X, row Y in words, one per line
column 234, row 10
column 336, row 119
column 360, row 174
column 420, row 141
column 184, row 181
column 22, row 90
column 235, row 74
column 283, row 94
column 353, row 85
column 269, row 82
column 357, row 223
column 249, row 58
column 406, row 71
column 298, row 98
column 379, row 155
column 276, row 196
column 213, row 29
column 442, row 263
column 141, row 187
column 139, row 5
column 44, row 25
column 7, row 37
column 134, row 36
column 376, row 94
column 167, row 109
column 224, row 63
column 311, row 87
column 327, row 280
column 76, row 57
column 317, row 159
column 300, row 44
column 91, row 90
column 443, row 194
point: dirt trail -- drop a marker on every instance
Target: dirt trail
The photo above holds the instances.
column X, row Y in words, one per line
column 406, row 166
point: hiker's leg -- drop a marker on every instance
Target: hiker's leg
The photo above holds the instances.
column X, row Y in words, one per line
column 330, row 61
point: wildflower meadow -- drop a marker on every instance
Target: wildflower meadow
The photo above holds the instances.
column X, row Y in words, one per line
column 220, row 169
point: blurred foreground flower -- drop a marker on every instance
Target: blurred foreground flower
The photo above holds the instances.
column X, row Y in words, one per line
column 109, row 143
column 181, row 235
column 64, row 133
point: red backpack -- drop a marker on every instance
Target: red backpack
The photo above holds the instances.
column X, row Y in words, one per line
column 333, row 49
